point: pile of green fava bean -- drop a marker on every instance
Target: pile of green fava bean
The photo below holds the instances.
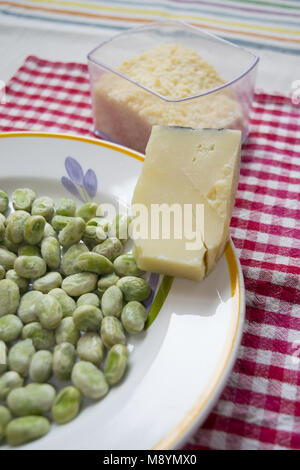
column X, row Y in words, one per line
column 67, row 298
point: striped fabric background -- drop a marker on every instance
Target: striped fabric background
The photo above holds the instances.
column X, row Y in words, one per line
column 271, row 25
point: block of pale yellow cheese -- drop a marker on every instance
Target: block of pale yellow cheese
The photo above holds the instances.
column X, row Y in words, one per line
column 126, row 112
column 186, row 168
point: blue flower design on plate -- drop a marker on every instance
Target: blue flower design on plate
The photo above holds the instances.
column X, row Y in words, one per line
column 153, row 283
column 84, row 185
column 81, row 185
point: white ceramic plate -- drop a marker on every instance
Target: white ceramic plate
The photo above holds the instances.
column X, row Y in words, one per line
column 179, row 365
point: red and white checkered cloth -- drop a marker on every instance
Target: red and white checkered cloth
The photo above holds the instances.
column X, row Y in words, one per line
column 260, row 406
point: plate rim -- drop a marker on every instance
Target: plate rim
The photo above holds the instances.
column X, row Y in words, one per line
column 205, row 407
column 178, row 435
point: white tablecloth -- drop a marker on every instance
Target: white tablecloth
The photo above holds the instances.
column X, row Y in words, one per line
column 70, row 32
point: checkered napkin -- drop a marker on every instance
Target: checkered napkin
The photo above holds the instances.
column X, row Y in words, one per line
column 260, row 406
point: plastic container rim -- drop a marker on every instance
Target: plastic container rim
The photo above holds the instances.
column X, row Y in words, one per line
column 178, row 23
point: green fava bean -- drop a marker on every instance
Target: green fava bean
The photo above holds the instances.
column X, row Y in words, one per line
column 120, row 227
column 87, row 318
column 93, row 235
column 48, row 282
column 66, row 302
column 21, row 282
column 9, row 297
column 107, row 281
column 72, row 232
column 15, row 226
column 23, row 198
column 30, row 267
column 66, row 207
column 3, row 201
column 64, row 357
column 110, row 248
column 28, row 428
column 112, row 332
column 92, row 262
column 29, row 250
column 41, row 338
column 5, row 418
column 2, row 272
column 7, row 258
column 133, row 317
column 69, row 262
column 78, row 284
column 89, row 380
column 28, row 307
column 67, row 332
column 96, row 231
column 87, row 211
column 90, row 348
column 99, row 222
column 43, row 206
column 49, row 230
column 3, row 357
column 125, row 265
column 10, row 328
column 50, row 250
column 9, row 245
column 88, row 299
column 112, row 301
column 40, row 369
column 134, row 288
column 66, row 405
column 20, row 355
column 2, row 229
column 49, row 312
column 60, row 221
column 34, row 399
column 2, row 219
column 115, row 363
column 34, row 229
column 8, row 381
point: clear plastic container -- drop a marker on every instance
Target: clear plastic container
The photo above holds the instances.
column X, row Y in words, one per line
column 121, row 104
